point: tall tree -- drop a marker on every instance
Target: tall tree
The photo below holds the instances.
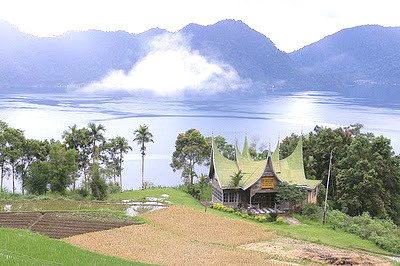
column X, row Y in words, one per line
column 32, row 150
column 56, row 172
column 143, row 136
column 14, row 150
column 191, row 148
column 228, row 150
column 78, row 139
column 3, row 161
column 122, row 147
column 96, row 134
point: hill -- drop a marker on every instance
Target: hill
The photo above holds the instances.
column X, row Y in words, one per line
column 363, row 55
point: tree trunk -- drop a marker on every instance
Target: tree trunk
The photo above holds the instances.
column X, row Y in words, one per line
column 191, row 172
column 142, row 171
column 1, row 177
column 120, row 170
column 13, row 178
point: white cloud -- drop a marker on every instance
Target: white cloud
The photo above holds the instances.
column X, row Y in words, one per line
column 171, row 67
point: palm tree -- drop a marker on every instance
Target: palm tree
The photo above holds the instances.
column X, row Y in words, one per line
column 71, row 137
column 143, row 136
column 95, row 134
column 122, row 147
column 235, row 180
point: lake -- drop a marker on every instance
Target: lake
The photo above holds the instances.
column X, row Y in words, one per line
column 265, row 118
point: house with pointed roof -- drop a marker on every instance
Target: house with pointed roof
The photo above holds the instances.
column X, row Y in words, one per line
column 259, row 184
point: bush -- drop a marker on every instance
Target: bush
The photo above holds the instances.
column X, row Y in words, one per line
column 312, row 211
column 272, row 217
column 113, row 188
column 260, row 218
column 98, row 185
column 384, row 233
column 280, row 220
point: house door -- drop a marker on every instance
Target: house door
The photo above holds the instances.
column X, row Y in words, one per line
column 264, row 200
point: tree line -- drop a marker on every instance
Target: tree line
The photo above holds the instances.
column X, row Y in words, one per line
column 83, row 156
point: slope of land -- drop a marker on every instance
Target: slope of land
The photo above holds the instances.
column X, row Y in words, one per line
column 187, row 233
column 21, row 247
column 181, row 236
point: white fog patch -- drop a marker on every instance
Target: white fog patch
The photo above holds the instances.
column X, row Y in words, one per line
column 171, row 67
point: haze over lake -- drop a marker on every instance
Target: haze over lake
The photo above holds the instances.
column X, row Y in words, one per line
column 266, row 118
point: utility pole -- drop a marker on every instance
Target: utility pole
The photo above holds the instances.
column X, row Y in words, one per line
column 327, row 187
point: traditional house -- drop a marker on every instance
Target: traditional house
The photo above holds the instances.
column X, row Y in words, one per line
column 259, row 184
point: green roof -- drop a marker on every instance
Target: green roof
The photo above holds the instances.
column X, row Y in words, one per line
column 291, row 169
column 288, row 170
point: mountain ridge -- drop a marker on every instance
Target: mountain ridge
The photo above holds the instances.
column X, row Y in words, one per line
column 365, row 55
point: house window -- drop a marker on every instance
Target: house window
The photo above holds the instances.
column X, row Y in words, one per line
column 230, row 196
column 267, row 183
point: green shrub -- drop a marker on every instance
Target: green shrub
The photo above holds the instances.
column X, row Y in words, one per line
column 384, row 233
column 280, row 220
column 312, row 211
column 113, row 188
column 260, row 218
column 272, row 217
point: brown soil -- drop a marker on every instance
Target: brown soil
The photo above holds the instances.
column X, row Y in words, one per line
column 327, row 255
column 182, row 236
column 58, row 225
column 179, row 235
column 207, row 227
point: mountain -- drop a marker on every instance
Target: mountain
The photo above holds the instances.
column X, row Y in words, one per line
column 363, row 55
column 252, row 54
column 82, row 57
column 72, row 58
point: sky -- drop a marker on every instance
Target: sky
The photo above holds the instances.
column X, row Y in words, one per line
column 290, row 24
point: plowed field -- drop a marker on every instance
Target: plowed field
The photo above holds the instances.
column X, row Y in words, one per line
column 58, row 225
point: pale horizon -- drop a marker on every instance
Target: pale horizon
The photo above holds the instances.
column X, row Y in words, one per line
column 290, row 24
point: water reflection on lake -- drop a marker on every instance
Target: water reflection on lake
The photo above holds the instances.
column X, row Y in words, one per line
column 266, row 118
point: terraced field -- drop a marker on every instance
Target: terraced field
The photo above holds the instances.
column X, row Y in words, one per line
column 60, row 225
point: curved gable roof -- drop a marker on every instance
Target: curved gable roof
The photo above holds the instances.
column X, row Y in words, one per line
column 290, row 169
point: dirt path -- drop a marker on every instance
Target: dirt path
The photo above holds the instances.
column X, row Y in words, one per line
column 293, row 248
column 182, row 236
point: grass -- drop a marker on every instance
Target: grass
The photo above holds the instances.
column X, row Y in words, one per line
column 176, row 196
column 308, row 231
column 22, row 247
column 58, row 204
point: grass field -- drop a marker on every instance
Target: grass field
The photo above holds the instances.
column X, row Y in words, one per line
column 309, row 231
column 58, row 204
column 22, row 247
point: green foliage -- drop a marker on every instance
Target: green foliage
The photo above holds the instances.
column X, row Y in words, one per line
column 280, row 220
column 384, row 233
column 257, row 218
column 312, row 211
column 56, row 172
column 227, row 150
column 362, row 164
column 236, row 178
column 98, row 185
column 191, row 148
column 200, row 190
column 291, row 194
column 113, row 188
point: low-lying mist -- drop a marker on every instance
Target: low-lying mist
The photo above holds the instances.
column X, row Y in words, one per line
column 170, row 68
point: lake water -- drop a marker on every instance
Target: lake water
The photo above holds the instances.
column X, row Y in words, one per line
column 266, row 118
